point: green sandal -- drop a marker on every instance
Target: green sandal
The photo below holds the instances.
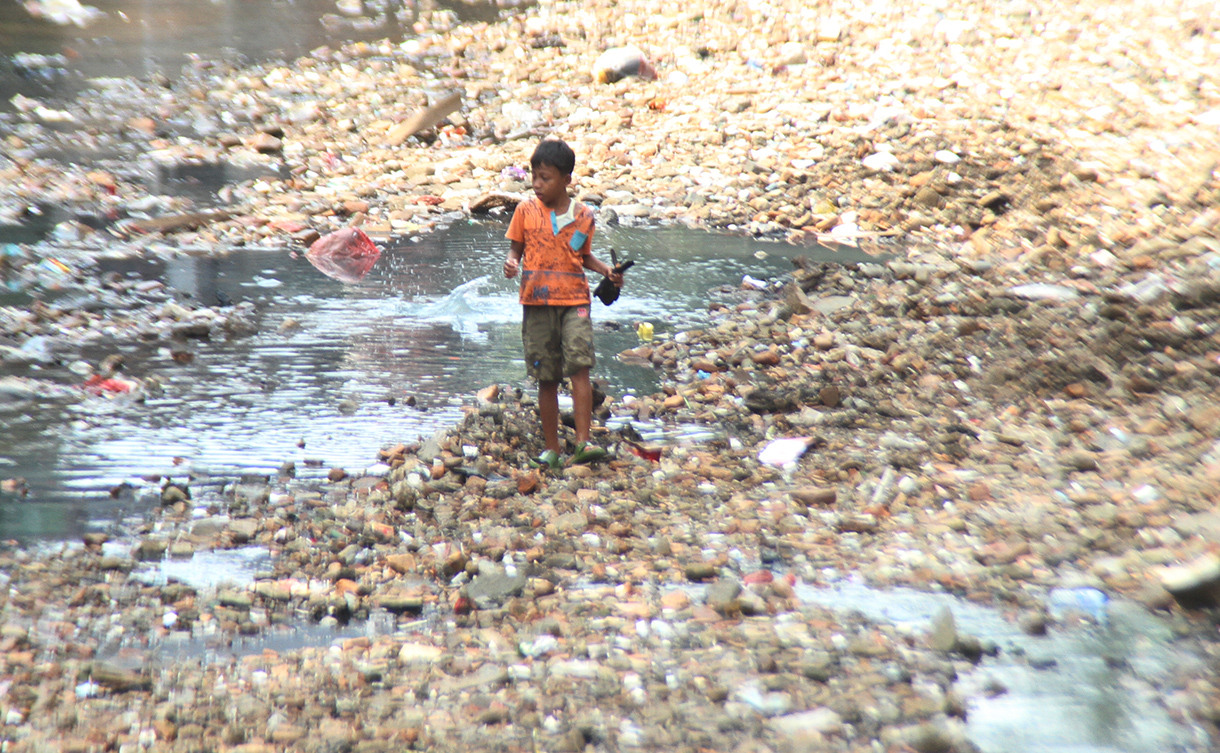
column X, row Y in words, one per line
column 548, row 459
column 587, row 453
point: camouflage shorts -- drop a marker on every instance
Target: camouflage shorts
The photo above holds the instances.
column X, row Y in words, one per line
column 558, row 341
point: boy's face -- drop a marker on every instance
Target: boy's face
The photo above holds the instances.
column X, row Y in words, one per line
column 550, row 185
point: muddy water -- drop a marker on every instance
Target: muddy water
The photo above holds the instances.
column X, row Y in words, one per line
column 336, row 371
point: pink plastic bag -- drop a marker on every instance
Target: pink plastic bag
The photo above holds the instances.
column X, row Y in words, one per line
column 346, row 255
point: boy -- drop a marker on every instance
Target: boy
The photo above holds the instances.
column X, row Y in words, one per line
column 551, row 241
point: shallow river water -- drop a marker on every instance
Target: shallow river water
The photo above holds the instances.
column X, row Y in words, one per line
column 1090, row 686
column 54, row 51
column 389, row 359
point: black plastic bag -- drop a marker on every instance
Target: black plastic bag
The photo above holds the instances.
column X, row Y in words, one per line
column 606, row 291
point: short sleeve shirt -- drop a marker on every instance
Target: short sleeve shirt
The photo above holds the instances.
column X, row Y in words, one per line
column 552, row 266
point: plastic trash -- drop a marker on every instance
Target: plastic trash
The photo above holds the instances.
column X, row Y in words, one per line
column 513, row 172
column 641, row 451
column 618, row 63
column 346, row 255
column 64, row 12
column 1041, row 291
column 645, row 330
column 38, row 348
column 55, row 266
column 1145, row 494
column 606, row 291
column 881, row 161
column 1090, row 602
column 768, row 704
column 543, row 644
column 52, row 272
column 99, row 385
column 784, row 452
column 1147, row 290
column 522, row 114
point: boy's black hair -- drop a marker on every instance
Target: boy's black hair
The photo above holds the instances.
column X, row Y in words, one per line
column 556, row 153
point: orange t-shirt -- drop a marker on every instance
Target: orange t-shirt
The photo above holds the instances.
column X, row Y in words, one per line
column 552, row 266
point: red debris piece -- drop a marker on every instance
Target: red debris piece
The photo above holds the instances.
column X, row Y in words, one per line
column 639, row 450
column 346, row 255
column 98, row 385
column 758, row 576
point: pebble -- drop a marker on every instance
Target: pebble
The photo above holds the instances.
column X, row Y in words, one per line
column 1193, row 584
column 1033, row 623
column 697, row 571
column 722, row 595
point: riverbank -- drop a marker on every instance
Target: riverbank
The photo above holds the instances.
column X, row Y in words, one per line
column 1021, row 403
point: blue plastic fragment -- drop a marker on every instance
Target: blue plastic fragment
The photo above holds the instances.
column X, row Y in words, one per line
column 1090, row 602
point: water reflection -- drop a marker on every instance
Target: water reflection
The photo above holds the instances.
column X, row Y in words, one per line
column 143, row 38
column 194, row 275
column 146, row 37
column 201, row 180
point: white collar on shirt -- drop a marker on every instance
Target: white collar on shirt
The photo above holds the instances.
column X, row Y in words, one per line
column 560, row 221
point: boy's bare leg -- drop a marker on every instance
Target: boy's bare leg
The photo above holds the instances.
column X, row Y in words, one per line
column 548, row 413
column 582, row 404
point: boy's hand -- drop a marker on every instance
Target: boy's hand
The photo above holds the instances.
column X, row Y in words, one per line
column 511, row 266
column 613, row 274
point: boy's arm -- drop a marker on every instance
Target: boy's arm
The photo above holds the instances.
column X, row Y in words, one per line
column 594, row 264
column 512, row 264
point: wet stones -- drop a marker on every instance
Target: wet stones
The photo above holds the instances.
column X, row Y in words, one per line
column 493, row 589
column 814, row 497
column 722, row 595
column 700, row 571
column 243, row 530
column 173, row 494
column 1195, row 584
column 862, row 523
column 118, row 679
column 1034, row 623
column 768, row 357
column 809, row 726
column 1079, row 460
column 149, row 550
column 944, row 637
column 236, row 599
column 398, row 602
column 763, row 400
column 402, row 563
column 266, row 143
column 113, row 562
